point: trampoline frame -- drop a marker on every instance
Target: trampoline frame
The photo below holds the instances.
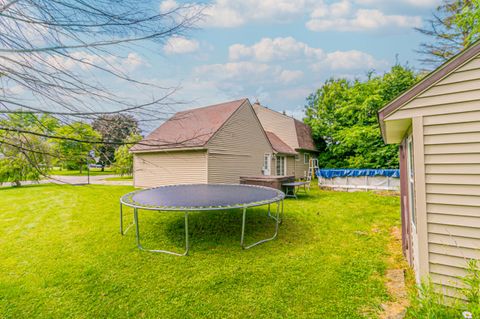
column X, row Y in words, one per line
column 126, row 201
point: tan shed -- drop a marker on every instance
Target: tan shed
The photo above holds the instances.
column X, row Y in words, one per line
column 214, row 144
column 437, row 124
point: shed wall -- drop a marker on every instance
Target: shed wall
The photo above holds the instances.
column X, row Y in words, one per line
column 450, row 117
column 166, row 168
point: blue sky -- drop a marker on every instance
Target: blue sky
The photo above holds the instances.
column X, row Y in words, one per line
column 276, row 51
column 281, row 51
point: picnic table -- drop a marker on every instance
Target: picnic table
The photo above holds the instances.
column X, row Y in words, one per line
column 293, row 188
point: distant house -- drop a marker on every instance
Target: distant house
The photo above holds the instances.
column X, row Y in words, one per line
column 437, row 124
column 216, row 144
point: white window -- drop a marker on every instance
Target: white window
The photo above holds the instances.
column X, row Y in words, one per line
column 306, row 158
column 267, row 163
column 281, row 165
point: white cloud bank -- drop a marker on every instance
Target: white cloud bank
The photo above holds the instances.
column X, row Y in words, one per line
column 340, row 16
column 289, row 49
column 180, row 45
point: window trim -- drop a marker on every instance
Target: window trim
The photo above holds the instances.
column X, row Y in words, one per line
column 306, row 158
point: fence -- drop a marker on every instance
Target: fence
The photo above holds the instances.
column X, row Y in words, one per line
column 359, row 179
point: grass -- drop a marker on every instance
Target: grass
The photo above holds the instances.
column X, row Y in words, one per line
column 61, row 256
column 93, row 172
column 120, row 178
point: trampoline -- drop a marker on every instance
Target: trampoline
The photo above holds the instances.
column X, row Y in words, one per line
column 202, row 197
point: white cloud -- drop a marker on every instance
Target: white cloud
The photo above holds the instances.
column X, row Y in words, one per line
column 248, row 72
column 234, row 13
column 87, row 61
column 289, row 76
column 180, row 45
column 168, row 5
column 363, row 19
column 414, row 3
column 268, row 49
column 350, row 60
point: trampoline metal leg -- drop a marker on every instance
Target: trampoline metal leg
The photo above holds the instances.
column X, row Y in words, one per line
column 139, row 245
column 276, row 218
column 123, row 232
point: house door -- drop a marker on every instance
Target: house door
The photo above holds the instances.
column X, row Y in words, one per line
column 267, row 164
column 281, row 165
column 412, row 216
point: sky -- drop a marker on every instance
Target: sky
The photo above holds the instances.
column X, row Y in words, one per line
column 276, row 51
column 280, row 51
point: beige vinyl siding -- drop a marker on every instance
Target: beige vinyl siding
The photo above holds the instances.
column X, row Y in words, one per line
column 450, row 112
column 166, row 168
column 301, row 169
column 237, row 149
column 283, row 126
column 459, row 92
column 452, row 175
column 290, row 168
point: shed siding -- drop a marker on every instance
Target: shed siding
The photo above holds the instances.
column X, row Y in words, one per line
column 283, row 126
column 452, row 169
column 238, row 148
column 166, row 168
column 450, row 112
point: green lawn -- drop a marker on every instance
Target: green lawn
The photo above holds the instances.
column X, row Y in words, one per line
column 93, row 172
column 120, row 178
column 61, row 256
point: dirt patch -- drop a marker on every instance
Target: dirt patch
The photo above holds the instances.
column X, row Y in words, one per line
column 395, row 275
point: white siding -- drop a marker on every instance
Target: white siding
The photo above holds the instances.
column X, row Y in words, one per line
column 452, row 165
column 166, row 168
column 450, row 112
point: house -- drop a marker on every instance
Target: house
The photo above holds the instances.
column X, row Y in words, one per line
column 437, row 125
column 296, row 134
column 213, row 144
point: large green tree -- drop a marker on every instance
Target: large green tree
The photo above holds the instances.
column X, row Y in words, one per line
column 455, row 25
column 124, row 159
column 25, row 156
column 115, row 130
column 343, row 118
column 73, row 142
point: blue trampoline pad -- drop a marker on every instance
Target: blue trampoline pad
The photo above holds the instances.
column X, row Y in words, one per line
column 202, row 197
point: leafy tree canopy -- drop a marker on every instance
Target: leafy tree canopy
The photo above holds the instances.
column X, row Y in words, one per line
column 123, row 158
column 343, row 118
column 454, row 26
column 25, row 156
column 115, row 129
column 73, row 142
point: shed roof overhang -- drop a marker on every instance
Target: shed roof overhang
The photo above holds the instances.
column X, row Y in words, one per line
column 393, row 131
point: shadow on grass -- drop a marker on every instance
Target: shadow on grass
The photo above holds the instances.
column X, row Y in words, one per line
column 208, row 229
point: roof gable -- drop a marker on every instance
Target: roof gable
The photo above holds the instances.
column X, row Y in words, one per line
column 296, row 134
column 189, row 129
column 431, row 79
column 278, row 145
column 304, row 136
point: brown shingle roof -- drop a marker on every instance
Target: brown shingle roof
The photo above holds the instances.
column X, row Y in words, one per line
column 304, row 136
column 278, row 145
column 189, row 129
